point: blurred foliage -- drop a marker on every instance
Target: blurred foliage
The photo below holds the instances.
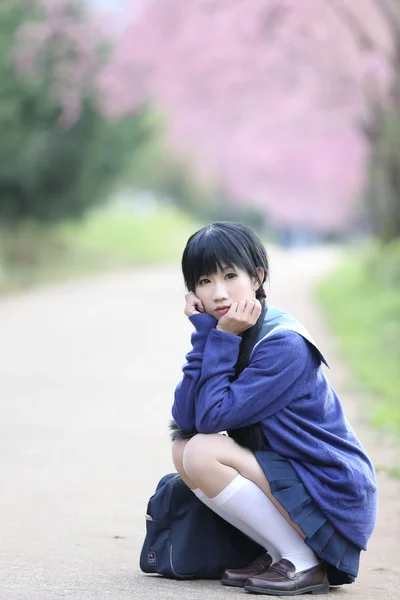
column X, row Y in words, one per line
column 392, row 470
column 172, row 178
column 29, row 244
column 53, row 174
column 48, row 171
column 126, row 235
column 383, row 261
column 362, row 302
column 116, row 236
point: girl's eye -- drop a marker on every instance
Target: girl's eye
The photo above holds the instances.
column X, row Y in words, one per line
column 231, row 275
column 203, row 281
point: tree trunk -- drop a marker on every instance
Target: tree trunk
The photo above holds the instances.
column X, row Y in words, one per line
column 385, row 164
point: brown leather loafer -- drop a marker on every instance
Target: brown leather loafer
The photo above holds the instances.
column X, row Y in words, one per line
column 281, row 579
column 238, row 577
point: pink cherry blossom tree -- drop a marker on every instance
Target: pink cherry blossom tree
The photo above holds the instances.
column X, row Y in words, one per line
column 267, row 96
column 61, row 43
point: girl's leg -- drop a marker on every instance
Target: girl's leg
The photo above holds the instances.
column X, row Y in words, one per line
column 216, row 460
column 234, row 483
column 178, row 450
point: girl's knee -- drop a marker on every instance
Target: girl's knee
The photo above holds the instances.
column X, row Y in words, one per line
column 178, row 449
column 199, row 451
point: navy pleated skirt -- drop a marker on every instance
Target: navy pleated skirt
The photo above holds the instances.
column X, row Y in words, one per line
column 341, row 556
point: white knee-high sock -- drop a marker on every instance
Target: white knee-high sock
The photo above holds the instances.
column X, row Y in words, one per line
column 244, row 500
column 239, row 524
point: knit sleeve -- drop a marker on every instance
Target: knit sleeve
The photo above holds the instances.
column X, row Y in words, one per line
column 183, row 409
column 269, row 383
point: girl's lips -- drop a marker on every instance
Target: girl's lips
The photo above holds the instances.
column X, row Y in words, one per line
column 223, row 310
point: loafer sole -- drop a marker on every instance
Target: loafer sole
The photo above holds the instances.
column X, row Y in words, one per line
column 321, row 589
column 233, row 583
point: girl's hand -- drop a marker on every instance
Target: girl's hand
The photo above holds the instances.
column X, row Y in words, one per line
column 241, row 316
column 194, row 305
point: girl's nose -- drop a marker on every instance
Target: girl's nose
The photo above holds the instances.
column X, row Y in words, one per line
column 220, row 292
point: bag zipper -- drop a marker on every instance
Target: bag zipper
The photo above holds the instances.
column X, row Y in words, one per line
column 170, row 547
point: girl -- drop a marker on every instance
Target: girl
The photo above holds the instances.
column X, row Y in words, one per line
column 291, row 474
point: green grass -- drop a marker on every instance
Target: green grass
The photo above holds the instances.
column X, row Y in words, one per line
column 112, row 238
column 121, row 236
column 362, row 305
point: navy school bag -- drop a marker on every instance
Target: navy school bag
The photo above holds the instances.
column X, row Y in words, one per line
column 187, row 540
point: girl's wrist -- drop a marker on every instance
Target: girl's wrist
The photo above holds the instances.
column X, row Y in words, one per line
column 227, row 331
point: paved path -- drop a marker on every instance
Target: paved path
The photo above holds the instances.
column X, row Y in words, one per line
column 87, row 373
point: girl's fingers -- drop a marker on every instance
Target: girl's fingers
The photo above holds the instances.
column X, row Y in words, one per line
column 241, row 316
column 241, row 306
column 198, row 303
column 250, row 308
column 194, row 301
column 193, row 304
column 257, row 307
column 253, row 310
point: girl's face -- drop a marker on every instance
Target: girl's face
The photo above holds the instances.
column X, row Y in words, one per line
column 217, row 292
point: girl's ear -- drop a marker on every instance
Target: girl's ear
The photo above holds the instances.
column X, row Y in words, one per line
column 260, row 273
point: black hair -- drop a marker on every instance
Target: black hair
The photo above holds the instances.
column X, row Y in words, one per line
column 226, row 244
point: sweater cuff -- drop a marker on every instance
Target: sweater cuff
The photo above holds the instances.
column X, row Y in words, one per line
column 225, row 340
column 203, row 323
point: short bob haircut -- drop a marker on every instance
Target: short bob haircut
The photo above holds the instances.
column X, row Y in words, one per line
column 220, row 245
